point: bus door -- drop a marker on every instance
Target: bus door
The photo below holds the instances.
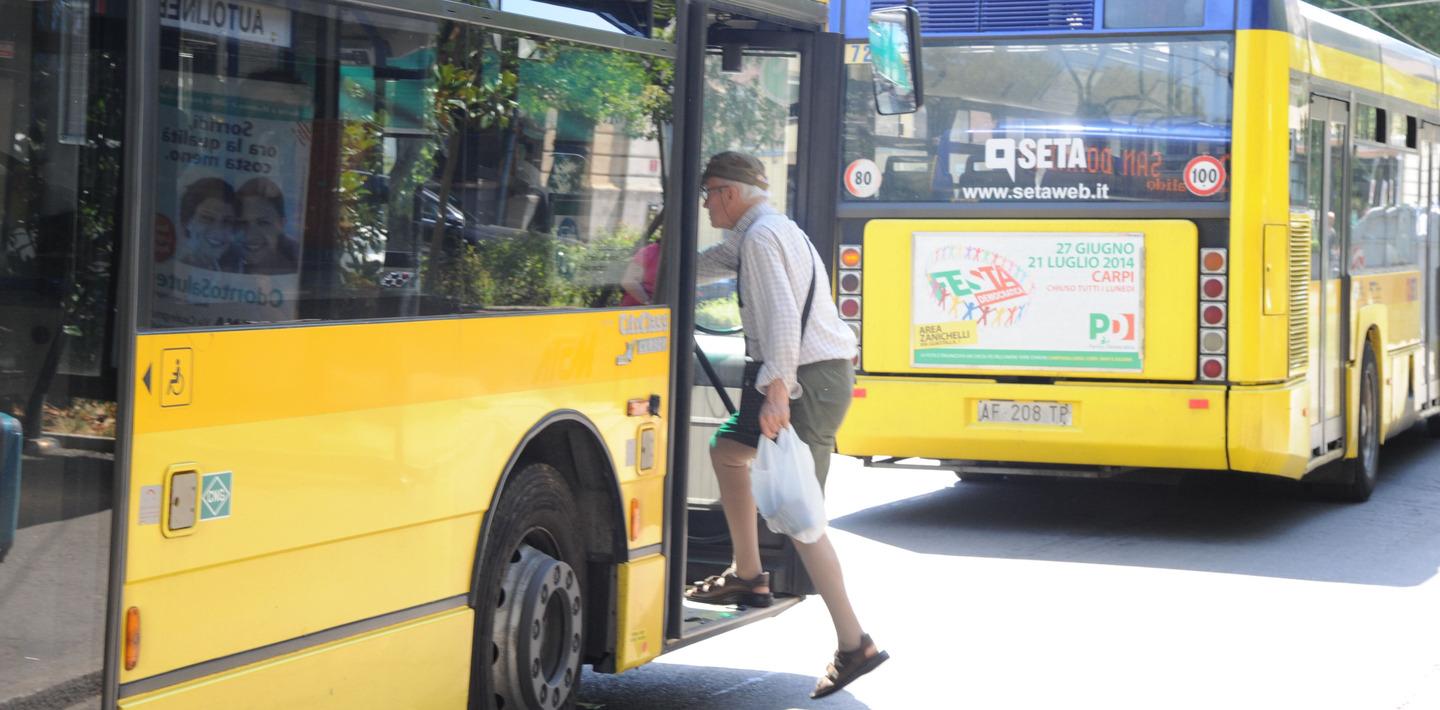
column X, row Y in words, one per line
column 62, row 111
column 768, row 86
column 1329, row 139
column 1430, row 189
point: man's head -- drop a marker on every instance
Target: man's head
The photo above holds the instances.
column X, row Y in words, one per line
column 731, row 184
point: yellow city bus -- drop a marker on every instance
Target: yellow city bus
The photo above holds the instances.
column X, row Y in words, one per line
column 332, row 373
column 1139, row 236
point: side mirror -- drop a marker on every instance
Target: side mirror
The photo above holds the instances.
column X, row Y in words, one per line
column 895, row 59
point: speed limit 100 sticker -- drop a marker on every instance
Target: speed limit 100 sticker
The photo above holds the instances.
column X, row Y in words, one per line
column 1204, row 175
column 862, row 178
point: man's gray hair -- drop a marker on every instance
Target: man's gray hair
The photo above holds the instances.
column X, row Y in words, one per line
column 746, row 191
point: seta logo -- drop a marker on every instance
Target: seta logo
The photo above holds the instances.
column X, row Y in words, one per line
column 1120, row 326
column 1031, row 153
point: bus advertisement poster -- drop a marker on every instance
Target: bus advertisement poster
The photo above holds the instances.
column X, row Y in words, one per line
column 1006, row 300
column 231, row 177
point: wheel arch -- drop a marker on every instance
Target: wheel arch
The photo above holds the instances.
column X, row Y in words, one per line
column 571, row 443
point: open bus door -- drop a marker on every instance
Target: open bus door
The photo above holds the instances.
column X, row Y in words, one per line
column 767, row 83
column 62, row 112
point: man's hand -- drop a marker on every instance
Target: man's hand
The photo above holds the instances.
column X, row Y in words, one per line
column 775, row 413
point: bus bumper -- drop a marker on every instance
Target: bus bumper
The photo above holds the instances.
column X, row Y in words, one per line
column 1113, row 424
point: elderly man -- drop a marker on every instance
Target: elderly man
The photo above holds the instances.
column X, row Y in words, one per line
column 798, row 374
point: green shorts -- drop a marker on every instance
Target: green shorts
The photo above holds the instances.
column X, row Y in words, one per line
column 826, row 388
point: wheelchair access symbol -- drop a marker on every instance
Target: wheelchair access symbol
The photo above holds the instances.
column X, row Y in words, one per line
column 176, row 377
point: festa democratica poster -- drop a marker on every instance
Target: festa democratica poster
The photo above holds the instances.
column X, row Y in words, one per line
column 233, row 163
column 1004, row 300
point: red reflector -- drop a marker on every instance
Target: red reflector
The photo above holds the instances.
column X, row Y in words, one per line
column 1212, row 368
column 1214, row 261
column 637, row 407
column 1213, row 288
column 1199, row 404
column 859, row 392
column 850, row 308
column 1214, row 315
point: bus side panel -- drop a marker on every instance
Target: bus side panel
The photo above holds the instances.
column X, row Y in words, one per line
column 642, row 612
column 355, row 463
column 1267, row 433
column 421, row 664
column 1259, row 193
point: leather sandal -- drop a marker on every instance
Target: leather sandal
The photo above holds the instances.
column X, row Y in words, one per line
column 728, row 588
column 849, row 665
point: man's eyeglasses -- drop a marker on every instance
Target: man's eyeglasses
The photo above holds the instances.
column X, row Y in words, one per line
column 706, row 191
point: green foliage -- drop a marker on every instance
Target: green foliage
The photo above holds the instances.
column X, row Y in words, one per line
column 531, row 269
column 628, row 89
column 719, row 313
column 739, row 113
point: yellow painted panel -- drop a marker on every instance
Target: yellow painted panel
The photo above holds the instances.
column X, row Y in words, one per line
column 1410, row 88
column 1276, row 295
column 1268, row 433
column 1400, row 292
column 1114, row 424
column 419, row 664
column 210, row 612
column 1259, row 196
column 640, row 637
column 1170, row 313
column 1346, row 68
column 650, row 492
column 362, row 457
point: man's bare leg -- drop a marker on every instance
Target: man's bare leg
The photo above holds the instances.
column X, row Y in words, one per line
column 732, row 468
column 824, row 567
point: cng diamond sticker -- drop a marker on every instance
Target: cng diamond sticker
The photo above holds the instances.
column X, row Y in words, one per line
column 215, row 494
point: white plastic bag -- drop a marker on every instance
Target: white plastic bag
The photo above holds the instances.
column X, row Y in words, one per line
column 782, row 478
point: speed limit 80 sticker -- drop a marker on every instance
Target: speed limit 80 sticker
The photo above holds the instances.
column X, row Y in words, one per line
column 862, row 178
column 1204, row 175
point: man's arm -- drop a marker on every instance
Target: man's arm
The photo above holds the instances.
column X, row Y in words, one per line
column 719, row 262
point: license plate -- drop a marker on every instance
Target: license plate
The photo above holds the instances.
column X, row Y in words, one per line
column 1008, row 411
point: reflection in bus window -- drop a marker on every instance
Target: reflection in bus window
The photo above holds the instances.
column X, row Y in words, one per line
column 406, row 167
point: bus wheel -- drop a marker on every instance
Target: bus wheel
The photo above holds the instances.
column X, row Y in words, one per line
column 530, row 619
column 1358, row 475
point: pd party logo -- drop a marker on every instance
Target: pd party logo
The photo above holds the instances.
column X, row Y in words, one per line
column 1112, row 328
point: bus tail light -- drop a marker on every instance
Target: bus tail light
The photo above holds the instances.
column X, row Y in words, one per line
column 1212, row 368
column 1214, row 261
column 132, row 638
column 1214, row 288
column 850, row 282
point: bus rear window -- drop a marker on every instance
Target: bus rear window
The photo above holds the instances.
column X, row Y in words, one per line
column 1125, row 120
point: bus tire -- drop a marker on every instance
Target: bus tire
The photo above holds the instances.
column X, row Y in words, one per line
column 1358, row 475
column 531, row 607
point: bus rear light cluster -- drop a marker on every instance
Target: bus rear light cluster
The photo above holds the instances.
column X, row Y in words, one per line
column 1214, row 287
column 850, row 282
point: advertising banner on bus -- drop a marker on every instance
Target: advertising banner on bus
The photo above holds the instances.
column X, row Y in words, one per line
column 232, row 176
column 1006, row 300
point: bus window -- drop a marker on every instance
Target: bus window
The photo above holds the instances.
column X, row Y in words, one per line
column 754, row 110
column 1025, row 121
column 435, row 169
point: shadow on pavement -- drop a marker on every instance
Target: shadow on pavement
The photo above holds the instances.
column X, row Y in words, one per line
column 666, row 686
column 1220, row 523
